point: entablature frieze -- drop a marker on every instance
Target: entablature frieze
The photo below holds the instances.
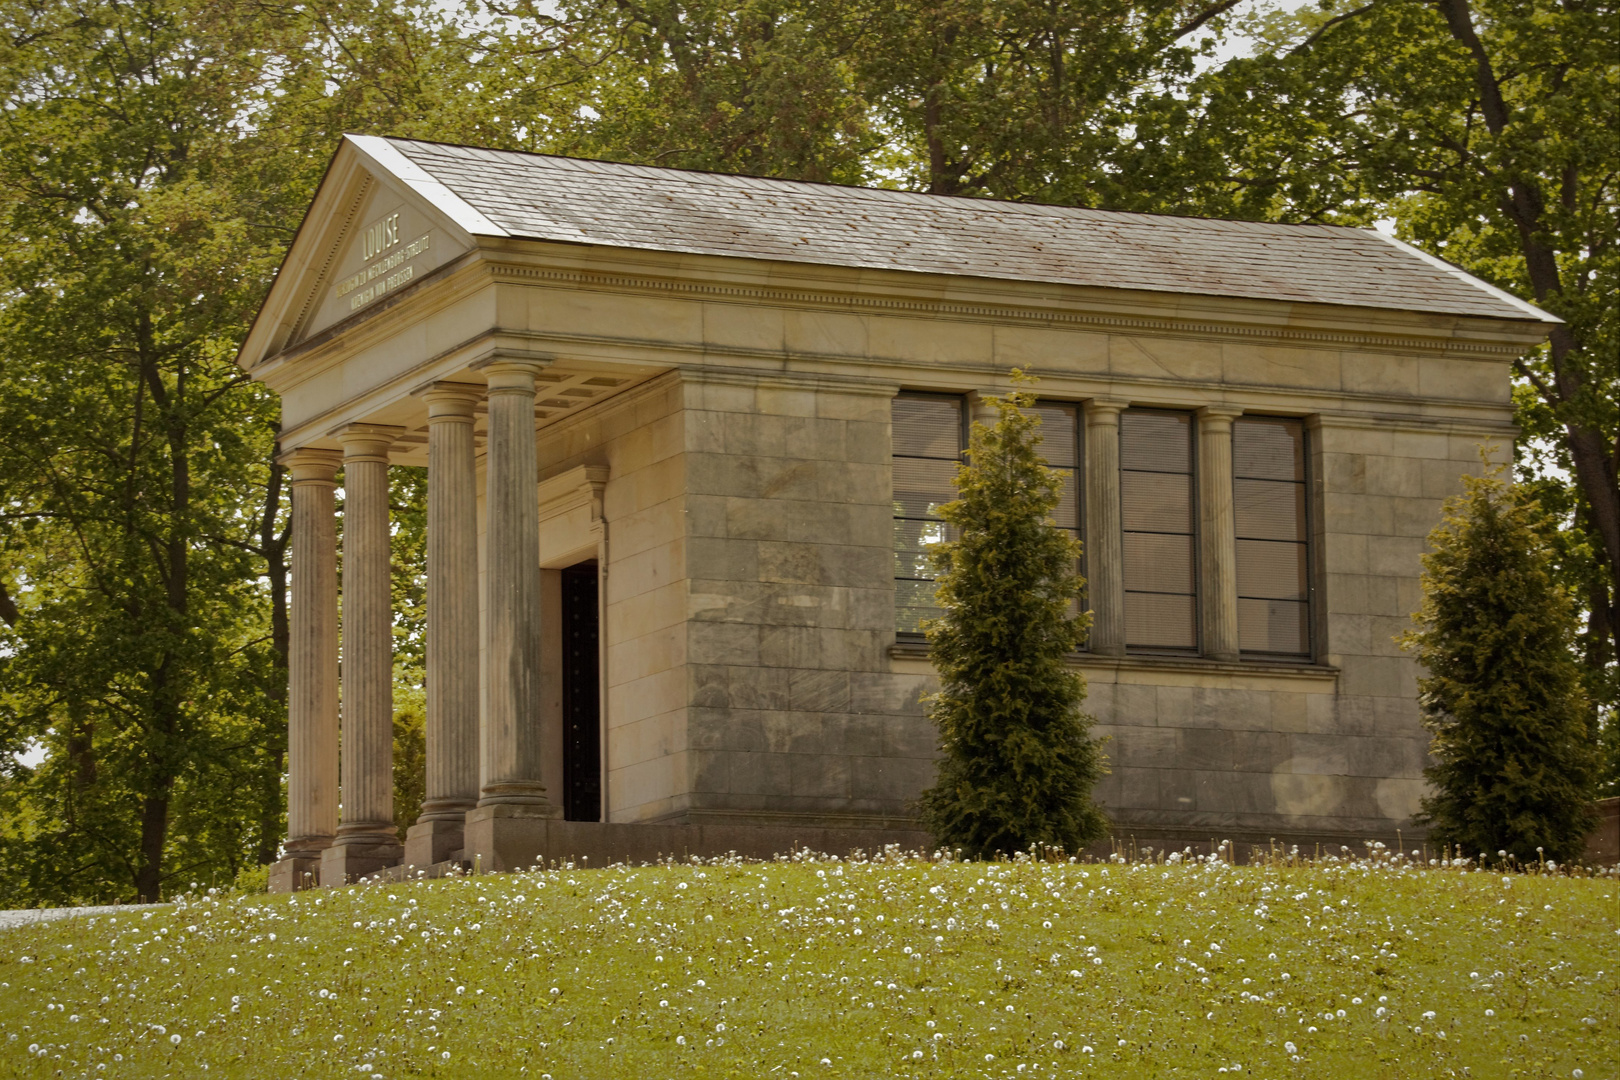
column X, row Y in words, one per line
column 1256, row 322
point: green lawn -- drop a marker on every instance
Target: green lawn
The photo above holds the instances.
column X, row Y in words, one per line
column 895, row 968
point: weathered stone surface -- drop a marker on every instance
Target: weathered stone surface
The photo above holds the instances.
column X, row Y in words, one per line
column 733, row 388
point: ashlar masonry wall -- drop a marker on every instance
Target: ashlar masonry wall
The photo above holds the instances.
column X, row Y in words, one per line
column 790, row 520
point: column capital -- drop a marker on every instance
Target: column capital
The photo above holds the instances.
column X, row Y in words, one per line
column 367, row 442
column 1218, row 415
column 311, row 465
column 512, row 374
column 451, row 400
column 1106, row 410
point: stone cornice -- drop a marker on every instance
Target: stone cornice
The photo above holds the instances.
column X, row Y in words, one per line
column 1054, row 312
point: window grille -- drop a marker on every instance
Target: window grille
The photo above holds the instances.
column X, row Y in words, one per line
column 928, row 443
column 1273, row 553
column 1160, row 544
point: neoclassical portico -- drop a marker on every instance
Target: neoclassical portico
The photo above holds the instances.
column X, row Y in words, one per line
column 686, row 437
column 478, row 775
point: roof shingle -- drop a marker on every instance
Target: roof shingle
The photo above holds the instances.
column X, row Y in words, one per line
column 634, row 206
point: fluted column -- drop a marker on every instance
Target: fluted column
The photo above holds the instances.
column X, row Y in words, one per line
column 511, row 736
column 312, row 670
column 1105, row 558
column 366, row 838
column 452, row 627
column 1217, row 535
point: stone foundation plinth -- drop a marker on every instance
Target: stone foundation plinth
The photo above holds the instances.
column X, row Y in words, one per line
column 428, row 843
column 517, row 843
column 295, row 873
column 344, row 864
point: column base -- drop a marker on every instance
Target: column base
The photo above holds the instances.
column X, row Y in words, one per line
column 508, row 836
column 296, row 872
column 434, row 841
column 344, row 864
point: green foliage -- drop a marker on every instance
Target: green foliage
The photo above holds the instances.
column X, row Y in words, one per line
column 1514, row 754
column 1016, row 99
column 155, row 156
column 410, row 754
column 1019, row 763
column 251, row 880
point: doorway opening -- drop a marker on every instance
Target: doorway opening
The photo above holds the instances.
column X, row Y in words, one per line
column 581, row 694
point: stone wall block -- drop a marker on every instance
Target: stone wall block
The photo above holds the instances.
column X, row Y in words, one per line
column 1258, row 751
column 1178, row 789
column 1415, row 517
column 1344, row 553
column 739, row 687
column 853, row 735
column 1215, row 790
column 727, row 729
column 1250, row 793
column 722, row 643
column 793, row 564
column 761, row 774
column 1204, row 748
column 873, row 609
column 1399, row 476
column 1397, row 556
column 868, row 441
column 890, row 782
column 1310, row 753
column 1396, row 716
column 819, row 691
column 1291, row 712
column 717, row 558
column 820, row 776
column 1140, row 748
column 852, row 482
column 892, row 695
column 1139, row 705
column 814, row 439
column 792, row 647
column 1380, row 676
column 910, row 737
column 1129, row 786
column 709, row 770
column 792, row 520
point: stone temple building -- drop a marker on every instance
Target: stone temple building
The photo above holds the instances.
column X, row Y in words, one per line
column 686, row 437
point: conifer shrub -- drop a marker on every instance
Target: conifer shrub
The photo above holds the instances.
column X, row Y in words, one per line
column 1514, row 746
column 1019, row 762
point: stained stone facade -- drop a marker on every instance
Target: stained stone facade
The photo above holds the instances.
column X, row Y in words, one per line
column 678, row 495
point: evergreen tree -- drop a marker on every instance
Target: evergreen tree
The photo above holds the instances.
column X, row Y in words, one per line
column 1019, row 761
column 1514, row 747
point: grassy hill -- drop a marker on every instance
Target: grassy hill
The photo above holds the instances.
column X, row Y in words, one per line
column 892, row 968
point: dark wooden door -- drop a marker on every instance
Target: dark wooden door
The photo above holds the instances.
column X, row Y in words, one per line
column 582, row 695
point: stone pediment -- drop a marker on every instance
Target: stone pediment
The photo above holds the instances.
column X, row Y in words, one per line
column 377, row 226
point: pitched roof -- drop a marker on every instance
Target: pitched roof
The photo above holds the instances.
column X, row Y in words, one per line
column 535, row 196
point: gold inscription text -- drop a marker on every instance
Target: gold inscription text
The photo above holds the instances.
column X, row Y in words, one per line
column 382, row 268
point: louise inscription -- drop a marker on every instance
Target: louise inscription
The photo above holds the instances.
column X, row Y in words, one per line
column 389, row 272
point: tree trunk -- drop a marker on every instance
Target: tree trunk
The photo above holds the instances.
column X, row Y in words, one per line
column 154, row 835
